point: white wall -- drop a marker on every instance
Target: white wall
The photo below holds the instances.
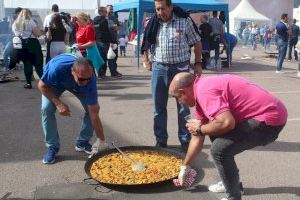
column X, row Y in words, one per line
column 44, row 4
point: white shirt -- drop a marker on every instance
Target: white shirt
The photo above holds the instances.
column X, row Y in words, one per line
column 27, row 32
column 122, row 42
column 48, row 20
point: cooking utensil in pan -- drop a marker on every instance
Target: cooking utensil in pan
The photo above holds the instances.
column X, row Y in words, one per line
column 136, row 166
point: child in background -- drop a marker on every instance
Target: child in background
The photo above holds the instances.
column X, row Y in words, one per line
column 122, row 44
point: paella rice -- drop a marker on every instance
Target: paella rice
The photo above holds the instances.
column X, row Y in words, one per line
column 115, row 169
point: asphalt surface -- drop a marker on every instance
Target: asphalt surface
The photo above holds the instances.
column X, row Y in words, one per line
column 271, row 172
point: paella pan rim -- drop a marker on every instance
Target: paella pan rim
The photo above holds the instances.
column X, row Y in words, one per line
column 90, row 161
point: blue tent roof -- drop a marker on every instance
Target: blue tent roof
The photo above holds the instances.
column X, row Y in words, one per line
column 143, row 6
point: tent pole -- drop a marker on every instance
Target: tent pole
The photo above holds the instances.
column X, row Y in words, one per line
column 139, row 24
column 227, row 19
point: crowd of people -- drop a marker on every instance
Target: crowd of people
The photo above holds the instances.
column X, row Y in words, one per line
column 234, row 119
column 92, row 37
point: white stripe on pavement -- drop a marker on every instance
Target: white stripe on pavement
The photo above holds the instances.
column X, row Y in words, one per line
column 285, row 92
column 294, row 119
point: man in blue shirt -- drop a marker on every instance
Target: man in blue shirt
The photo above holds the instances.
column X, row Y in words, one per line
column 229, row 43
column 76, row 75
column 282, row 41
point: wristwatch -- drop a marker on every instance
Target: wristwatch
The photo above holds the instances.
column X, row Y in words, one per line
column 198, row 131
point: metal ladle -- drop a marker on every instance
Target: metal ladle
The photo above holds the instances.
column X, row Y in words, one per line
column 136, row 166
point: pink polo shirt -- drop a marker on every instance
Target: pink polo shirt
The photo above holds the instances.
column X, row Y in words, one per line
column 244, row 99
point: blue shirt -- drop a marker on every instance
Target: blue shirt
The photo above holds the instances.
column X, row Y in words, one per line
column 281, row 30
column 230, row 39
column 58, row 75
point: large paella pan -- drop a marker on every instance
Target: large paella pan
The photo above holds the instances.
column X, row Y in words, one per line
column 109, row 167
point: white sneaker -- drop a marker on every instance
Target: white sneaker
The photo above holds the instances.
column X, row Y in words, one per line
column 279, row 72
column 219, row 188
column 224, row 199
column 298, row 74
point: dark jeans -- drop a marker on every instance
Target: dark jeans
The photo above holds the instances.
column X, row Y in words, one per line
column 112, row 64
column 282, row 48
column 246, row 135
column 123, row 50
column 292, row 44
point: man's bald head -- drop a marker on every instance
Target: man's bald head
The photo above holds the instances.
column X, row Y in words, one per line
column 180, row 81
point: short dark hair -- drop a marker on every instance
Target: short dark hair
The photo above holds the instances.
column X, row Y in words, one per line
column 168, row 2
column 284, row 15
column 79, row 62
column 100, row 9
column 18, row 10
column 215, row 13
column 55, row 8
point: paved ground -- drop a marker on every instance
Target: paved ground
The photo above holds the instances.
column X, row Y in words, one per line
column 271, row 172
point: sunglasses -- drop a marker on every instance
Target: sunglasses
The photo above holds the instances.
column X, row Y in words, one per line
column 83, row 79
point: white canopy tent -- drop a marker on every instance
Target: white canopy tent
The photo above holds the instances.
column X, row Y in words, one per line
column 244, row 12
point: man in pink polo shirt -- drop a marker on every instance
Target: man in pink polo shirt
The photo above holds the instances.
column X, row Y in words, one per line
column 235, row 113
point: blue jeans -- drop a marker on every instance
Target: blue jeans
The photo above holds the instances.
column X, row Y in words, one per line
column 229, row 51
column 162, row 75
column 49, row 122
column 246, row 135
column 6, row 53
column 282, row 48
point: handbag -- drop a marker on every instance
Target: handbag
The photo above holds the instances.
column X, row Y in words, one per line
column 111, row 54
column 94, row 55
column 17, row 42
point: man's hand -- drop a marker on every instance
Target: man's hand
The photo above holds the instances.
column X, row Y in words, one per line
column 148, row 65
column 99, row 145
column 63, row 109
column 198, row 68
column 192, row 126
column 184, row 170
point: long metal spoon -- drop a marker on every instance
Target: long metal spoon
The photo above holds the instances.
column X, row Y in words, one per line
column 136, row 166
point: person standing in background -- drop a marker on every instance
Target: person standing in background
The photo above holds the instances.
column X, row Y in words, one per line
column 293, row 39
column 122, row 44
column 103, row 39
column 47, row 21
column 218, row 31
column 282, row 41
column 169, row 36
column 114, row 27
column 58, row 36
column 31, row 52
column 206, row 35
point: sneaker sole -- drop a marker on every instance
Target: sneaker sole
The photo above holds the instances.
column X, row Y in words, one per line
column 82, row 150
column 45, row 162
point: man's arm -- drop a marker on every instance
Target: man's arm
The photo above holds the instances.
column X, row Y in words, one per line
column 146, row 61
column 62, row 108
column 195, row 146
column 96, row 122
column 198, row 55
column 221, row 125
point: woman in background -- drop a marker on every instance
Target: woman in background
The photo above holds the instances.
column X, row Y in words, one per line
column 58, row 36
column 31, row 52
column 86, row 39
